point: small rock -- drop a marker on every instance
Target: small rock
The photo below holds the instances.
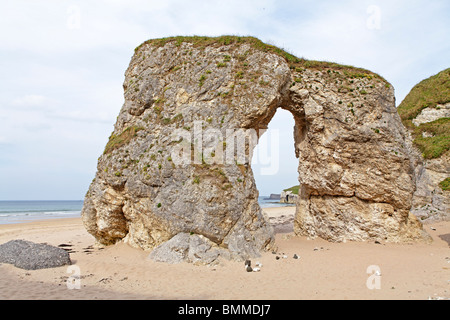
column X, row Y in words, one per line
column 256, row 269
column 377, row 242
column 64, row 245
column 105, row 280
column 296, row 256
column 248, row 263
column 249, row 269
column 285, row 257
column 432, row 228
column 259, row 264
column 277, row 257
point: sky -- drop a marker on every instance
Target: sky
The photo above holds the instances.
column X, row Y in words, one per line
column 62, row 68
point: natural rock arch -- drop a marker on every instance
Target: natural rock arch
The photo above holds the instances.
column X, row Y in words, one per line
column 356, row 176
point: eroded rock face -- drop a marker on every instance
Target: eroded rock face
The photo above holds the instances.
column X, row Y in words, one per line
column 425, row 111
column 431, row 203
column 355, row 171
column 170, row 166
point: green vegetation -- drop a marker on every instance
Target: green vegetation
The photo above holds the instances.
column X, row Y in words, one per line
column 239, row 74
column 437, row 145
column 294, row 62
column 445, row 185
column 202, row 80
column 294, row 189
column 118, row 141
column 159, row 205
column 428, row 94
column 196, row 180
column 177, row 118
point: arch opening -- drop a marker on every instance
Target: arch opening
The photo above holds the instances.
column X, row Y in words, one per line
column 275, row 169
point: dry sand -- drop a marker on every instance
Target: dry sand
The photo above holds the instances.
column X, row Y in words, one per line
column 324, row 270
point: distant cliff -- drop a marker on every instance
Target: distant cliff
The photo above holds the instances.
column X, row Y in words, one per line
column 290, row 195
column 426, row 113
column 273, row 196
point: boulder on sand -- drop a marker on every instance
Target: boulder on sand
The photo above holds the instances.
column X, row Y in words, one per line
column 33, row 256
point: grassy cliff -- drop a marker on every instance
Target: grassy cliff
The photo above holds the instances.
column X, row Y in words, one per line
column 294, row 189
column 429, row 93
column 294, row 62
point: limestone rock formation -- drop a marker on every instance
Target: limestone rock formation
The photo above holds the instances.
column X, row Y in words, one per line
column 426, row 112
column 186, row 247
column 174, row 165
column 288, row 196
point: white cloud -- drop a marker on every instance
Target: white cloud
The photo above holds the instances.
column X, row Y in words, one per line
column 30, row 100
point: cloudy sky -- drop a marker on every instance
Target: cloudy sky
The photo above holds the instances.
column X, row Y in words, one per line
column 63, row 63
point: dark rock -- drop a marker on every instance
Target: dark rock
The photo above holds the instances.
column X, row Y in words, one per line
column 33, row 256
column 64, row 245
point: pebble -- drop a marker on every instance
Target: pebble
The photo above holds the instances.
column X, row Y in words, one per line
column 248, row 263
column 256, row 270
column 277, row 257
column 285, row 257
column 296, row 256
column 249, row 269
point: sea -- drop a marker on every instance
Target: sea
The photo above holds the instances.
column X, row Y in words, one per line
column 27, row 211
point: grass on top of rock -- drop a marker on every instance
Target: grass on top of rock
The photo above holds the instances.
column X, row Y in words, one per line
column 445, row 185
column 255, row 43
column 294, row 189
column 428, row 94
column 435, row 146
column 117, row 141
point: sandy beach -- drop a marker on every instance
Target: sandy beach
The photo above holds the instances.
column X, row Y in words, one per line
column 324, row 271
